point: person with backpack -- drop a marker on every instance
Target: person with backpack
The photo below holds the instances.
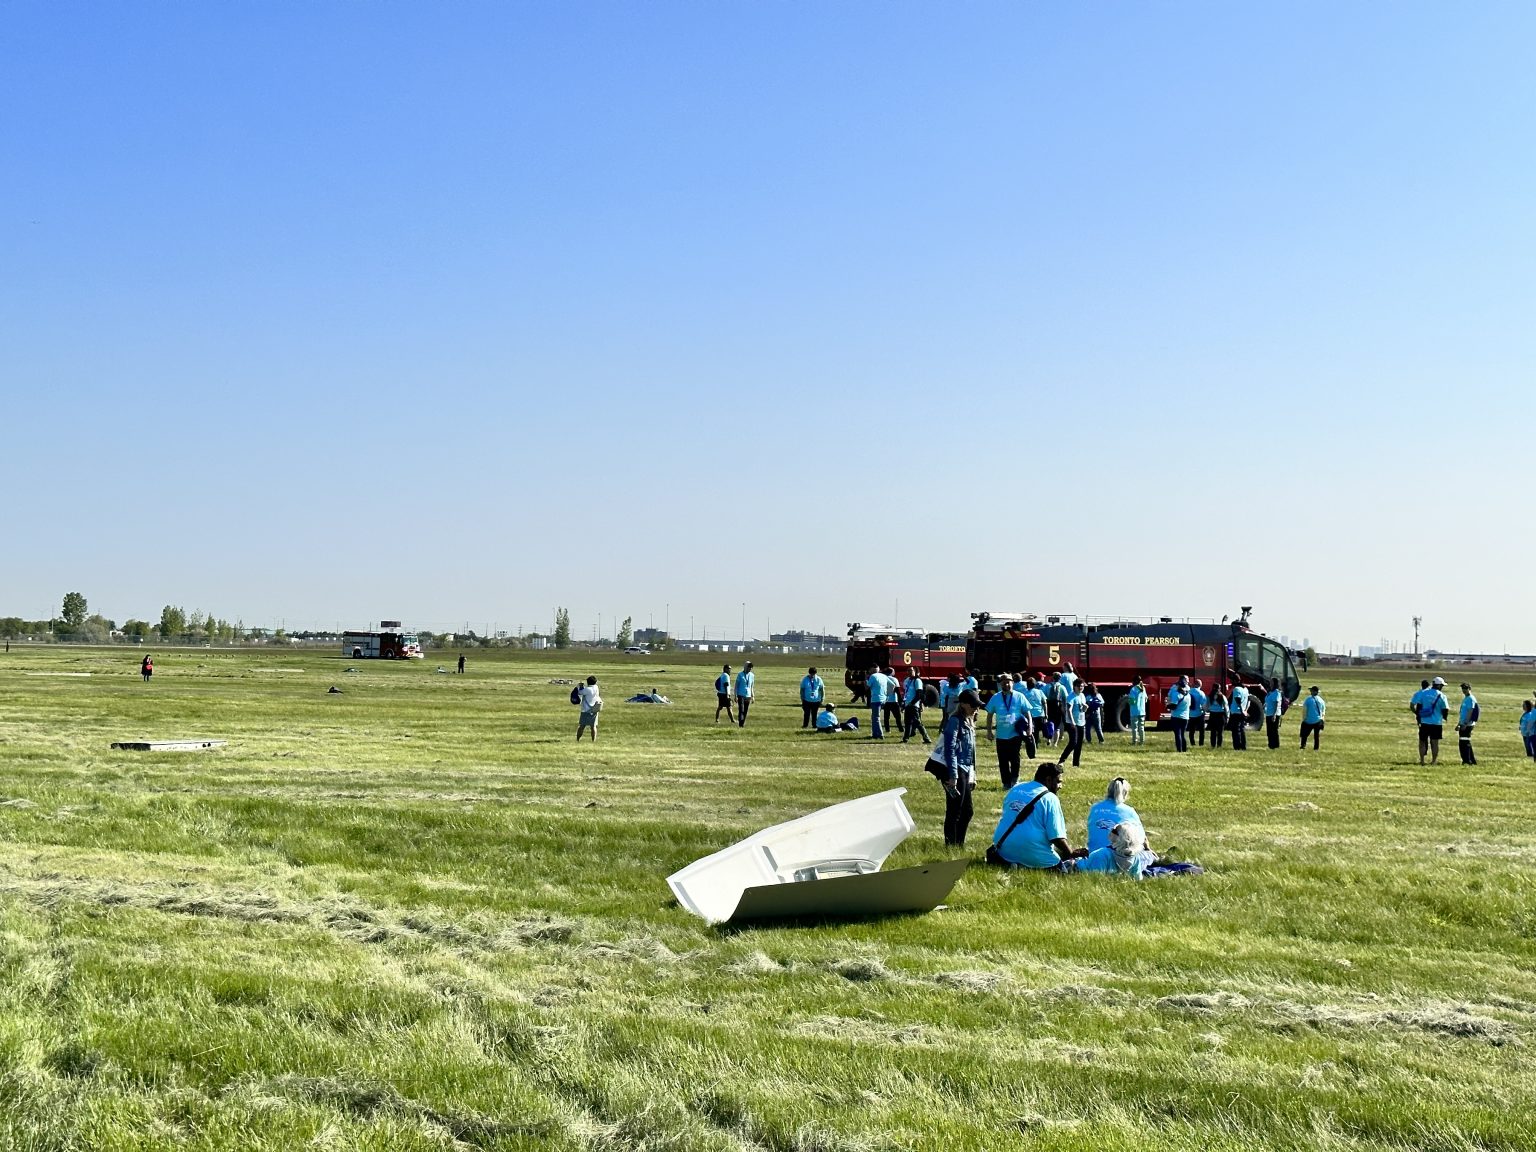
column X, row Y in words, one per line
column 1431, row 709
column 723, row 694
column 953, row 762
column 813, row 691
column 1032, row 832
column 1465, row 722
column 591, row 701
column 1313, row 709
column 746, row 679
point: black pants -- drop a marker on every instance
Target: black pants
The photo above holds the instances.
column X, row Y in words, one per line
column 957, row 814
column 1272, row 726
column 742, row 704
column 1313, row 730
column 1464, row 743
column 915, row 724
column 1180, row 734
column 1197, row 728
column 808, row 710
column 1008, row 760
column 893, row 715
column 1218, row 726
column 1074, row 746
column 1239, row 723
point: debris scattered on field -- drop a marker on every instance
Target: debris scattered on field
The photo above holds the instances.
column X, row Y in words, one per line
column 166, row 745
column 333, row 689
column 19, row 802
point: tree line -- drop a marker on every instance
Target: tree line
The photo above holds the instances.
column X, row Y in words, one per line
column 75, row 621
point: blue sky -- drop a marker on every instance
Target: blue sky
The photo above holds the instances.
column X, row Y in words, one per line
column 329, row 312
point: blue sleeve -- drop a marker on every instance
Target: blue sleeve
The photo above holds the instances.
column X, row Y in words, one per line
column 1055, row 826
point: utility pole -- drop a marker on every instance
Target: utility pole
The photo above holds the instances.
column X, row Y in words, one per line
column 743, row 621
column 1417, row 620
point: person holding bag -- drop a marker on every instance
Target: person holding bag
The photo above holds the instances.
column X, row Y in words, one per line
column 953, row 762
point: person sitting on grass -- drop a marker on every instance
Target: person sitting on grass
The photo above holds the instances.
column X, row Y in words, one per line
column 1032, row 833
column 826, row 720
column 1110, row 811
column 1126, row 854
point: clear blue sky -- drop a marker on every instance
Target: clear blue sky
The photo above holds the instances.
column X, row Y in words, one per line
column 328, row 312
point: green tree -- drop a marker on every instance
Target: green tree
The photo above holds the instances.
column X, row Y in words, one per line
column 626, row 635
column 173, row 622
column 74, row 610
column 562, row 628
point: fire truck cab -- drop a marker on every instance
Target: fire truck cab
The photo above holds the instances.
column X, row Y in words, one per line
column 1111, row 654
column 933, row 655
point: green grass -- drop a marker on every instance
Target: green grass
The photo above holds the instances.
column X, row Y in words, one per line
column 416, row 915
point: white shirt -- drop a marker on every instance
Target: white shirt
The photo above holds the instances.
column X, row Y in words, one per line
column 590, row 697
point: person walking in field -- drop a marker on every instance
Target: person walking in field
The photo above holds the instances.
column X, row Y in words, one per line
column 1007, row 714
column 1237, row 711
column 591, row 704
column 875, row 685
column 1274, row 709
column 1313, row 709
column 1137, row 703
column 461, row 663
column 813, row 692
column 1432, row 709
column 912, row 690
column 1178, row 713
column 146, row 668
column 1528, row 727
column 1216, row 708
column 1095, row 712
column 1196, row 714
column 1076, row 713
column 949, row 692
column 1034, row 704
column 723, row 694
column 1465, row 722
column 953, row 762
column 746, row 681
column 1055, row 708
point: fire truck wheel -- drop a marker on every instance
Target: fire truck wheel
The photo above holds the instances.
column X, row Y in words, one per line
column 931, row 696
column 1118, row 709
column 1255, row 713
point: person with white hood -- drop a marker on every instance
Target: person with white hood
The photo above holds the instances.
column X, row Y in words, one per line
column 1126, row 854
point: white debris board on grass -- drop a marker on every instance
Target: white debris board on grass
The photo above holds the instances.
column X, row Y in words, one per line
column 166, row 745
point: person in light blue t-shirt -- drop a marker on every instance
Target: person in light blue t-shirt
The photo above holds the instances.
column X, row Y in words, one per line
column 1076, row 714
column 1196, row 714
column 881, row 687
column 723, row 693
column 1528, row 727
column 1313, row 709
column 1126, row 854
column 1034, row 700
column 1431, row 709
column 1040, row 839
column 1108, row 812
column 1007, row 718
column 813, row 692
column 1237, row 716
column 746, row 680
column 1137, row 701
column 1274, row 708
column 1178, row 713
column 1465, row 722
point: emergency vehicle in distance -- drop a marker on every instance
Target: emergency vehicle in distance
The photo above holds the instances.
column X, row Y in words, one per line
column 1109, row 654
column 388, row 643
column 933, row 655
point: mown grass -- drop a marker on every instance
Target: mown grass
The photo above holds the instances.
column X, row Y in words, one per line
column 416, row 914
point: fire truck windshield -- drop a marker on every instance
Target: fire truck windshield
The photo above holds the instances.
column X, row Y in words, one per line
column 1268, row 659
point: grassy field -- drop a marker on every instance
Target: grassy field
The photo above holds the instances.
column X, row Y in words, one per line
column 415, row 915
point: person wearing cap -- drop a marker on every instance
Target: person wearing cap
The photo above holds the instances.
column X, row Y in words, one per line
column 1040, row 839
column 1137, row 701
column 953, row 761
column 1011, row 716
column 1313, row 709
column 746, row 680
column 1528, row 727
column 1178, row 713
column 1237, row 716
column 1432, row 709
column 1274, row 709
column 1466, row 720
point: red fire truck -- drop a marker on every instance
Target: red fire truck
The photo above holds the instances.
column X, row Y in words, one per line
column 389, row 643
column 933, row 655
column 1110, row 654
